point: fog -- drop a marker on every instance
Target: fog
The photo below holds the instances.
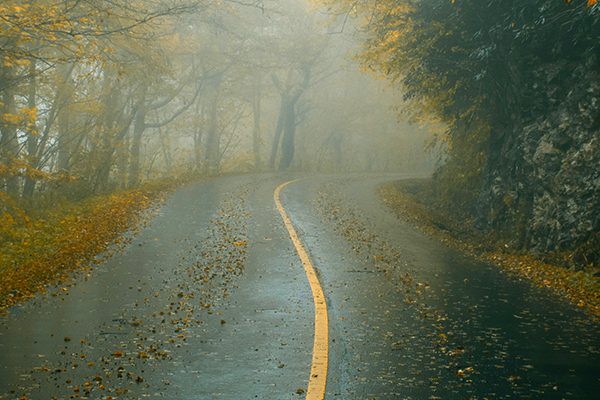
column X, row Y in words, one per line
column 120, row 96
column 299, row 199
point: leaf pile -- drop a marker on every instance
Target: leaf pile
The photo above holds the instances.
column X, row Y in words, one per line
column 128, row 356
column 46, row 249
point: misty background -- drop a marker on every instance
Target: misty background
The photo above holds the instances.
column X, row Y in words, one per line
column 107, row 95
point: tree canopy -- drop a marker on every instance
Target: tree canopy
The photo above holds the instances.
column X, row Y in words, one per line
column 516, row 85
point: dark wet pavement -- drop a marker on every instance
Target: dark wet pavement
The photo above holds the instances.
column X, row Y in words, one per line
column 209, row 301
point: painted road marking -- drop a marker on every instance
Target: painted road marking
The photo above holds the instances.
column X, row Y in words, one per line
column 318, row 370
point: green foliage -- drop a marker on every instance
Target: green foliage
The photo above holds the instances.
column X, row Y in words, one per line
column 490, row 71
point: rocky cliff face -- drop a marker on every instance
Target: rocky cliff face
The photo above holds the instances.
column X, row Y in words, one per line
column 543, row 190
column 562, row 152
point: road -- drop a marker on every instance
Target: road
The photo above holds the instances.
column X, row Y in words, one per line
column 210, row 300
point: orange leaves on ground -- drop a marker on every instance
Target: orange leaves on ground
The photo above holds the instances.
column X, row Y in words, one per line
column 48, row 249
column 11, row 216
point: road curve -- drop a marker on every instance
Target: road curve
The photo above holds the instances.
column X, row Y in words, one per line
column 317, row 380
column 211, row 301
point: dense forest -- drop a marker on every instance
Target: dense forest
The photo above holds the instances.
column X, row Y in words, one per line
column 106, row 105
column 517, row 86
column 299, row 199
column 105, row 94
column 99, row 96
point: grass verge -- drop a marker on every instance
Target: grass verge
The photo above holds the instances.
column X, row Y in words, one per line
column 581, row 288
column 47, row 248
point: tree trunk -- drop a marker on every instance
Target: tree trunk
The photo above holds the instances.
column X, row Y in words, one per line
column 213, row 140
column 114, row 121
column 9, row 145
column 166, row 151
column 278, row 130
column 199, row 119
column 102, row 172
column 139, row 126
column 65, row 139
column 289, row 134
column 32, row 139
column 256, row 111
column 122, row 161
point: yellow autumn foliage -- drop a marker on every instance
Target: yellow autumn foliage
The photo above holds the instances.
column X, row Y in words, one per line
column 48, row 247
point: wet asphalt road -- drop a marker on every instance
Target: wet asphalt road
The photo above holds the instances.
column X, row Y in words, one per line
column 210, row 301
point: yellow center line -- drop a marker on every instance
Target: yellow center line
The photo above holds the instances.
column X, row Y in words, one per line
column 318, row 369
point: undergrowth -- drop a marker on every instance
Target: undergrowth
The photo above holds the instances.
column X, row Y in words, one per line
column 39, row 248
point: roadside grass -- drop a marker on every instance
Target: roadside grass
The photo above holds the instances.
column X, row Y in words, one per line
column 580, row 288
column 42, row 248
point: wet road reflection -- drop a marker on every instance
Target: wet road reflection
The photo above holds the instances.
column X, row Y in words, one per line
column 419, row 321
column 210, row 301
